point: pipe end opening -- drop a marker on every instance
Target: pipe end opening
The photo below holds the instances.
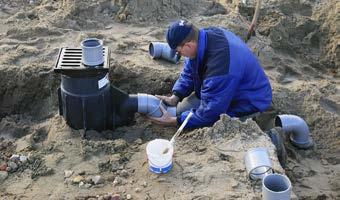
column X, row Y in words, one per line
column 151, row 50
column 278, row 121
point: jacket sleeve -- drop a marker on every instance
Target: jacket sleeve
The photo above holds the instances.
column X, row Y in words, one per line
column 184, row 85
column 216, row 96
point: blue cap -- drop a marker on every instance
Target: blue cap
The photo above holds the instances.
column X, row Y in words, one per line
column 177, row 32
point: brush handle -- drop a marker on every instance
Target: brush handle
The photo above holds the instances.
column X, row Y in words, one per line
column 181, row 128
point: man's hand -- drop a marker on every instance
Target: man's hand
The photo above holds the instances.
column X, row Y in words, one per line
column 171, row 101
column 166, row 119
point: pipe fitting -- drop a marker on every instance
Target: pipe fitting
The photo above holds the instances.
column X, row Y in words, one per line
column 150, row 105
column 299, row 130
column 258, row 163
column 92, row 52
column 276, row 186
column 163, row 50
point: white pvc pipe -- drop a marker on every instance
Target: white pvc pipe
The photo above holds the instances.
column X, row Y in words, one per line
column 92, row 52
column 150, row 105
column 276, row 187
column 258, row 163
column 299, row 130
column 163, row 50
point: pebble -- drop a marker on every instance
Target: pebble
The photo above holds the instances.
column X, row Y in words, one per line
column 77, row 179
column 97, row 180
column 3, row 176
column 81, row 173
column 124, row 173
column 3, row 166
column 68, row 173
column 128, row 196
column 14, row 158
column 83, row 185
column 115, row 197
column 23, row 159
column 13, row 166
column 139, row 141
column 145, row 184
column 137, row 190
column 117, row 181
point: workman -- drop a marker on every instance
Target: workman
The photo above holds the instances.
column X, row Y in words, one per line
column 220, row 75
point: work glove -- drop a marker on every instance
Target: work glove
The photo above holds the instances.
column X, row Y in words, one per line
column 170, row 101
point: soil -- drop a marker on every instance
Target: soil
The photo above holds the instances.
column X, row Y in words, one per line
column 297, row 43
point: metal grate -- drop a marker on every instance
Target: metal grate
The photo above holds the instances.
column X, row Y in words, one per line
column 70, row 59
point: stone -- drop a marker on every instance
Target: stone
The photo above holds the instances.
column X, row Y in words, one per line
column 145, row 184
column 128, row 196
column 23, row 159
column 13, row 166
column 3, row 176
column 124, row 173
column 117, row 181
column 68, row 173
column 137, row 190
column 14, row 158
column 97, row 180
column 77, row 179
column 3, row 166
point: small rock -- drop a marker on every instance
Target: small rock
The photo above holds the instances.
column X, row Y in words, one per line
column 124, row 173
column 3, row 166
column 14, row 158
column 117, row 181
column 139, row 141
column 77, row 179
column 3, row 176
column 81, row 173
column 145, row 184
column 13, row 166
column 128, row 196
column 324, row 162
column 83, row 185
column 23, row 159
column 137, row 190
column 102, row 198
column 68, row 173
column 115, row 197
column 97, row 180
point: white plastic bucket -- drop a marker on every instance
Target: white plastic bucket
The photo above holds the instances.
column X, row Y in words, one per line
column 159, row 162
column 276, row 187
column 92, row 50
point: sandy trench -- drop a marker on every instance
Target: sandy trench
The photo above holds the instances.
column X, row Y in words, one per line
column 296, row 41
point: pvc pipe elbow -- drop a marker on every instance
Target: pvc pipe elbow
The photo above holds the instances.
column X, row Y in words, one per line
column 150, row 105
column 299, row 130
column 163, row 50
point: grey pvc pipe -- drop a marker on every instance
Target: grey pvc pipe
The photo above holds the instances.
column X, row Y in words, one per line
column 92, row 52
column 299, row 130
column 258, row 163
column 150, row 105
column 163, row 50
column 276, row 186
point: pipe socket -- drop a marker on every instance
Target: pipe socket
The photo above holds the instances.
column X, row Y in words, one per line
column 297, row 127
column 258, row 163
column 92, row 52
column 150, row 105
column 163, row 50
column 276, row 186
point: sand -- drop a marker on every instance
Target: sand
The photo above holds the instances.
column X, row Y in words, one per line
column 297, row 43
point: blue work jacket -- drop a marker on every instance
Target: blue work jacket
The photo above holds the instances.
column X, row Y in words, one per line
column 226, row 77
